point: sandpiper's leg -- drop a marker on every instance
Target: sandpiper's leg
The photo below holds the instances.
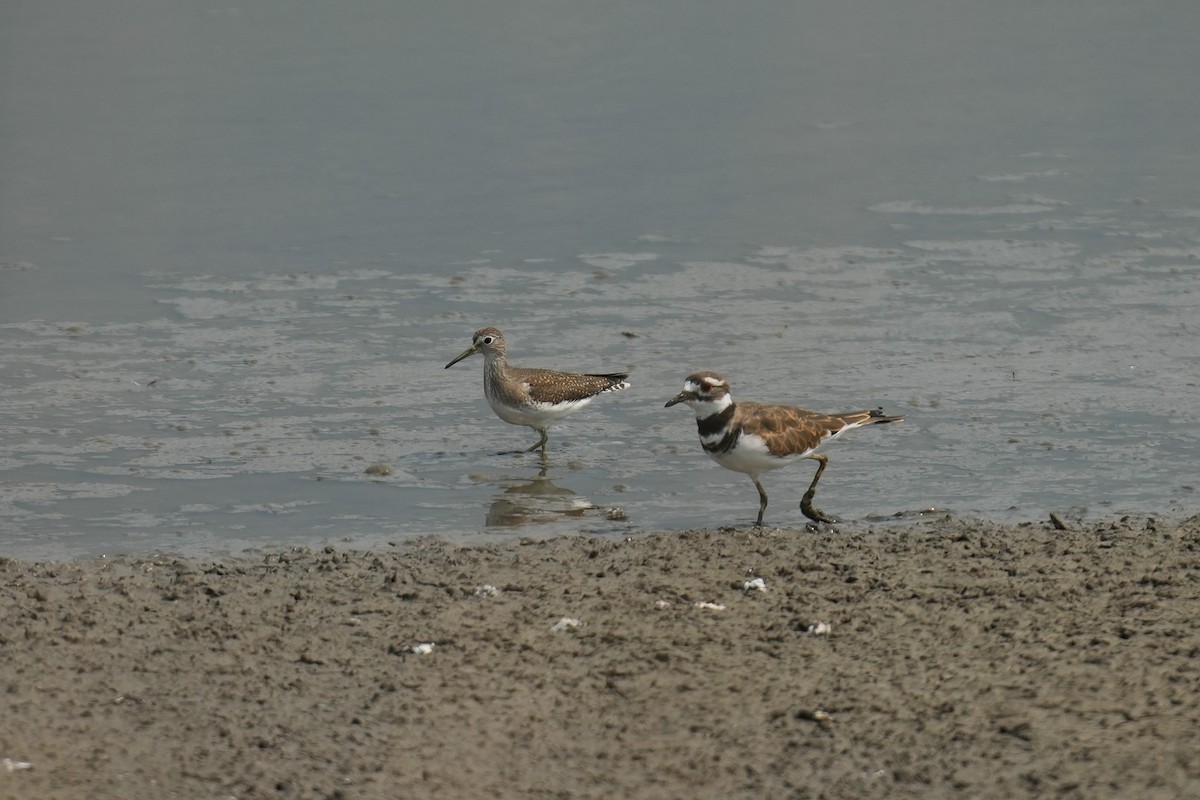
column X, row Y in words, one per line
column 806, row 506
column 541, row 444
column 762, row 502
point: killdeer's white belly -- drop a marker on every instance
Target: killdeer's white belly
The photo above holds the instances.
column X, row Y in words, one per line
column 750, row 455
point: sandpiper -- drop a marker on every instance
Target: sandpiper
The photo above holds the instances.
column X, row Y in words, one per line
column 755, row 437
column 536, row 398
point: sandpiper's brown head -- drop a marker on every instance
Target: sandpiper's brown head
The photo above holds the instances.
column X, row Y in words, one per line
column 489, row 341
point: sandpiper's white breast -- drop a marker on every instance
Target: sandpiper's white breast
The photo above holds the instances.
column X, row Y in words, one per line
column 535, row 414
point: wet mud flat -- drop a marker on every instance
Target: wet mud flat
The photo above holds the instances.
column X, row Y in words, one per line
column 940, row 658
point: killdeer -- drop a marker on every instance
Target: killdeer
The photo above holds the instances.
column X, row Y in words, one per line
column 755, row 438
column 536, row 398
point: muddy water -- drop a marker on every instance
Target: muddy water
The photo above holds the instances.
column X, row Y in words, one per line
column 1034, row 375
column 228, row 286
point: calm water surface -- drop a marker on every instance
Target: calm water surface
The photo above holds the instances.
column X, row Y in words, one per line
column 238, row 245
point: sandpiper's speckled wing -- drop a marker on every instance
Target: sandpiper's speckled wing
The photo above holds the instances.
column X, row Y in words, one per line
column 788, row 430
column 551, row 386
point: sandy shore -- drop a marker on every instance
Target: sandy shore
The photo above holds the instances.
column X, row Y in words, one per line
column 945, row 658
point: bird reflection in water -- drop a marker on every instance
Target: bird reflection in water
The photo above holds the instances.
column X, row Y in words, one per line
column 534, row 502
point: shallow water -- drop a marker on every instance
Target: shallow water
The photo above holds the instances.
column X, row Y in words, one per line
column 212, row 357
column 250, row 411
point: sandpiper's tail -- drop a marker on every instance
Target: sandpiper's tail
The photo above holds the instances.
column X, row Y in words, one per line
column 616, row 381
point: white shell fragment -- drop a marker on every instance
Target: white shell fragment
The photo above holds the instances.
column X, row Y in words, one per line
column 13, row 766
column 566, row 624
column 757, row 583
column 710, row 606
column 423, row 649
column 487, row 590
column 819, row 629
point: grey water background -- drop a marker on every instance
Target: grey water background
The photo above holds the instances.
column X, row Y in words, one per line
column 239, row 242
